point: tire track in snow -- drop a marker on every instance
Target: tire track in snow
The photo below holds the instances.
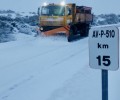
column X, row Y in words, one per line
column 35, row 56
column 5, row 94
column 21, row 61
column 30, row 58
column 16, row 85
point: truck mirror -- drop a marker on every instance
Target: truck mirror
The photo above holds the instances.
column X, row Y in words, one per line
column 39, row 11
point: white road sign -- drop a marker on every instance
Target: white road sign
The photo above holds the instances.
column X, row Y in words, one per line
column 104, row 48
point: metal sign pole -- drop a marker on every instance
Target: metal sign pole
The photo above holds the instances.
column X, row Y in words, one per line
column 104, row 84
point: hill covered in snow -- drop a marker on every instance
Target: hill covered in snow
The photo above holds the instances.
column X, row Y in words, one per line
column 105, row 19
column 14, row 23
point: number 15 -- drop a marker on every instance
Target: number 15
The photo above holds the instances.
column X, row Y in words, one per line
column 105, row 60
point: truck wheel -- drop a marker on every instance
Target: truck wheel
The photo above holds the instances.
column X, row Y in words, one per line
column 70, row 38
column 87, row 31
column 84, row 32
column 72, row 33
column 73, row 30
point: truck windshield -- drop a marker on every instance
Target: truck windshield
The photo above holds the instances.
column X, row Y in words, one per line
column 52, row 10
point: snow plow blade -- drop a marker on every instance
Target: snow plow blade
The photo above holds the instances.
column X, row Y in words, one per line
column 57, row 31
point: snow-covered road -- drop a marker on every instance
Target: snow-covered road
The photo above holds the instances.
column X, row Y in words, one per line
column 48, row 69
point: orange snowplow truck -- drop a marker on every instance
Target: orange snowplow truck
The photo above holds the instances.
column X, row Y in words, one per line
column 62, row 18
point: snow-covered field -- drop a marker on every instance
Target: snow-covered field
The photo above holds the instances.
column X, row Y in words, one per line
column 40, row 68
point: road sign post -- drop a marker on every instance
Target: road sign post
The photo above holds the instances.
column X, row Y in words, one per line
column 104, row 84
column 104, row 52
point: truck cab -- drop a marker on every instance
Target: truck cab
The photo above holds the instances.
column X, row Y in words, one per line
column 54, row 16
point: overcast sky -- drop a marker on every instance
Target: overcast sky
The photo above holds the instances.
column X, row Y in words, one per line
column 99, row 6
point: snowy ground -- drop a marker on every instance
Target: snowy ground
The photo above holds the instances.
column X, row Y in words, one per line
column 39, row 68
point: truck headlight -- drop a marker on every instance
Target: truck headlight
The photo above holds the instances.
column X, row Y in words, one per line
column 45, row 4
column 41, row 28
column 62, row 3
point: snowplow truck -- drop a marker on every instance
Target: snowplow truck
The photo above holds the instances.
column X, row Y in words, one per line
column 67, row 19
